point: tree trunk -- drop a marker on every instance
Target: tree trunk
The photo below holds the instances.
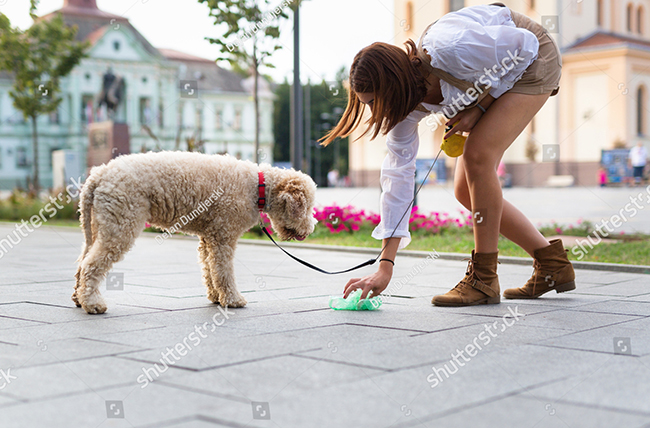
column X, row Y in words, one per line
column 257, row 107
column 36, row 183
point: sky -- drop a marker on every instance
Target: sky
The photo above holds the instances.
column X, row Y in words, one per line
column 332, row 31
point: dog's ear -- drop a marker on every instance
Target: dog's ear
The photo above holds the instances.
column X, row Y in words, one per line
column 291, row 192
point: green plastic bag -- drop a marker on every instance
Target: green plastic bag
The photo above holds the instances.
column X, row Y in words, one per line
column 352, row 303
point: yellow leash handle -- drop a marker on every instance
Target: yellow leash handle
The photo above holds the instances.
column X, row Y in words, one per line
column 454, row 145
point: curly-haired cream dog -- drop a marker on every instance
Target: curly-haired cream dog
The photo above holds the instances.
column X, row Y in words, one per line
column 214, row 197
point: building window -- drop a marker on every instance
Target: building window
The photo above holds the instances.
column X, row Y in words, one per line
column 218, row 121
column 599, row 13
column 236, row 125
column 145, row 111
column 21, row 157
column 86, row 108
column 629, row 17
column 409, row 16
column 455, row 5
column 199, row 118
column 116, row 45
column 54, row 117
column 161, row 115
column 639, row 20
column 640, row 109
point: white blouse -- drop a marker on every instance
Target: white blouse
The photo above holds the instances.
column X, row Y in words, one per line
column 475, row 44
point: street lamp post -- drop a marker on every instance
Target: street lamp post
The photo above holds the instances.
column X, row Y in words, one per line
column 297, row 116
column 308, row 128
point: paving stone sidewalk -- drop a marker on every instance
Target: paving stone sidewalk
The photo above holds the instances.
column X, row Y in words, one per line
column 579, row 359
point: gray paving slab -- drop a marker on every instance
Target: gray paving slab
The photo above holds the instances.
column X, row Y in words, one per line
column 288, row 354
column 264, row 380
column 156, row 404
column 215, row 351
column 620, row 307
column 423, row 349
column 603, row 278
column 89, row 328
column 53, row 314
column 398, row 398
column 628, row 376
column 194, row 422
column 521, row 412
column 6, row 399
column 574, row 320
column 7, row 323
column 634, row 336
column 630, row 288
column 43, row 351
column 74, row 377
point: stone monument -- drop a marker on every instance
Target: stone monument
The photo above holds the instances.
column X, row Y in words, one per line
column 108, row 139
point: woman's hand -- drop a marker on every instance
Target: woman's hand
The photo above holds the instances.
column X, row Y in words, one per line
column 465, row 121
column 377, row 282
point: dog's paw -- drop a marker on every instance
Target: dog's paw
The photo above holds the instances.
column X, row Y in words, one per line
column 95, row 304
column 213, row 296
column 75, row 299
column 233, row 300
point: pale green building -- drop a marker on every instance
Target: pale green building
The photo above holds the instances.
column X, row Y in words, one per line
column 170, row 97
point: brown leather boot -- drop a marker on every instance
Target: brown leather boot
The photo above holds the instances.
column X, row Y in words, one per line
column 479, row 287
column 553, row 271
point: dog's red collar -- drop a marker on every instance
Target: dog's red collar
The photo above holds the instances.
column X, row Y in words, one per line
column 261, row 188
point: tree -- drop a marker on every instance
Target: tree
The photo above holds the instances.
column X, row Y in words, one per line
column 328, row 100
column 250, row 37
column 38, row 58
column 281, row 122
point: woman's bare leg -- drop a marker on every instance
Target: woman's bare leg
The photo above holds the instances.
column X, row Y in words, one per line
column 514, row 224
column 493, row 134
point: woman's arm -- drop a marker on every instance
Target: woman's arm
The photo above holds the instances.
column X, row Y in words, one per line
column 397, row 182
column 465, row 120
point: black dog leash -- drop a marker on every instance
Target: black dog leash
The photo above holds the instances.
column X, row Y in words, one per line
column 316, row 268
column 366, row 263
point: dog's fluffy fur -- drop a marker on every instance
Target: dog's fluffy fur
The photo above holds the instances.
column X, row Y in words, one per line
column 161, row 188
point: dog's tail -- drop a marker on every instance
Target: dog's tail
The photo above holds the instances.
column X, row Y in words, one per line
column 86, row 207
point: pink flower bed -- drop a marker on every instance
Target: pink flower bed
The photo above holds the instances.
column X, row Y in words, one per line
column 350, row 219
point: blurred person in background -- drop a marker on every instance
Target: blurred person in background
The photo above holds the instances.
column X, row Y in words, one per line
column 638, row 160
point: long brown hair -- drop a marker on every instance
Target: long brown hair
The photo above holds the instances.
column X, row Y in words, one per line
column 396, row 79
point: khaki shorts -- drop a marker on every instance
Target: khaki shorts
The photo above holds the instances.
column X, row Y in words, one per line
column 543, row 75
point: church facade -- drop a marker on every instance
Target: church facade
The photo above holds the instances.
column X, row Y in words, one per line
column 171, row 100
column 603, row 98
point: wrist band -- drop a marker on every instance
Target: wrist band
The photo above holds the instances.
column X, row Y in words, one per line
column 387, row 260
column 481, row 107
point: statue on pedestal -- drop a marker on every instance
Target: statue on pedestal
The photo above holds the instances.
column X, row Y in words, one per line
column 112, row 92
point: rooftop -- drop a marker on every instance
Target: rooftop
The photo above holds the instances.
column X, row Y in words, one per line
column 606, row 40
